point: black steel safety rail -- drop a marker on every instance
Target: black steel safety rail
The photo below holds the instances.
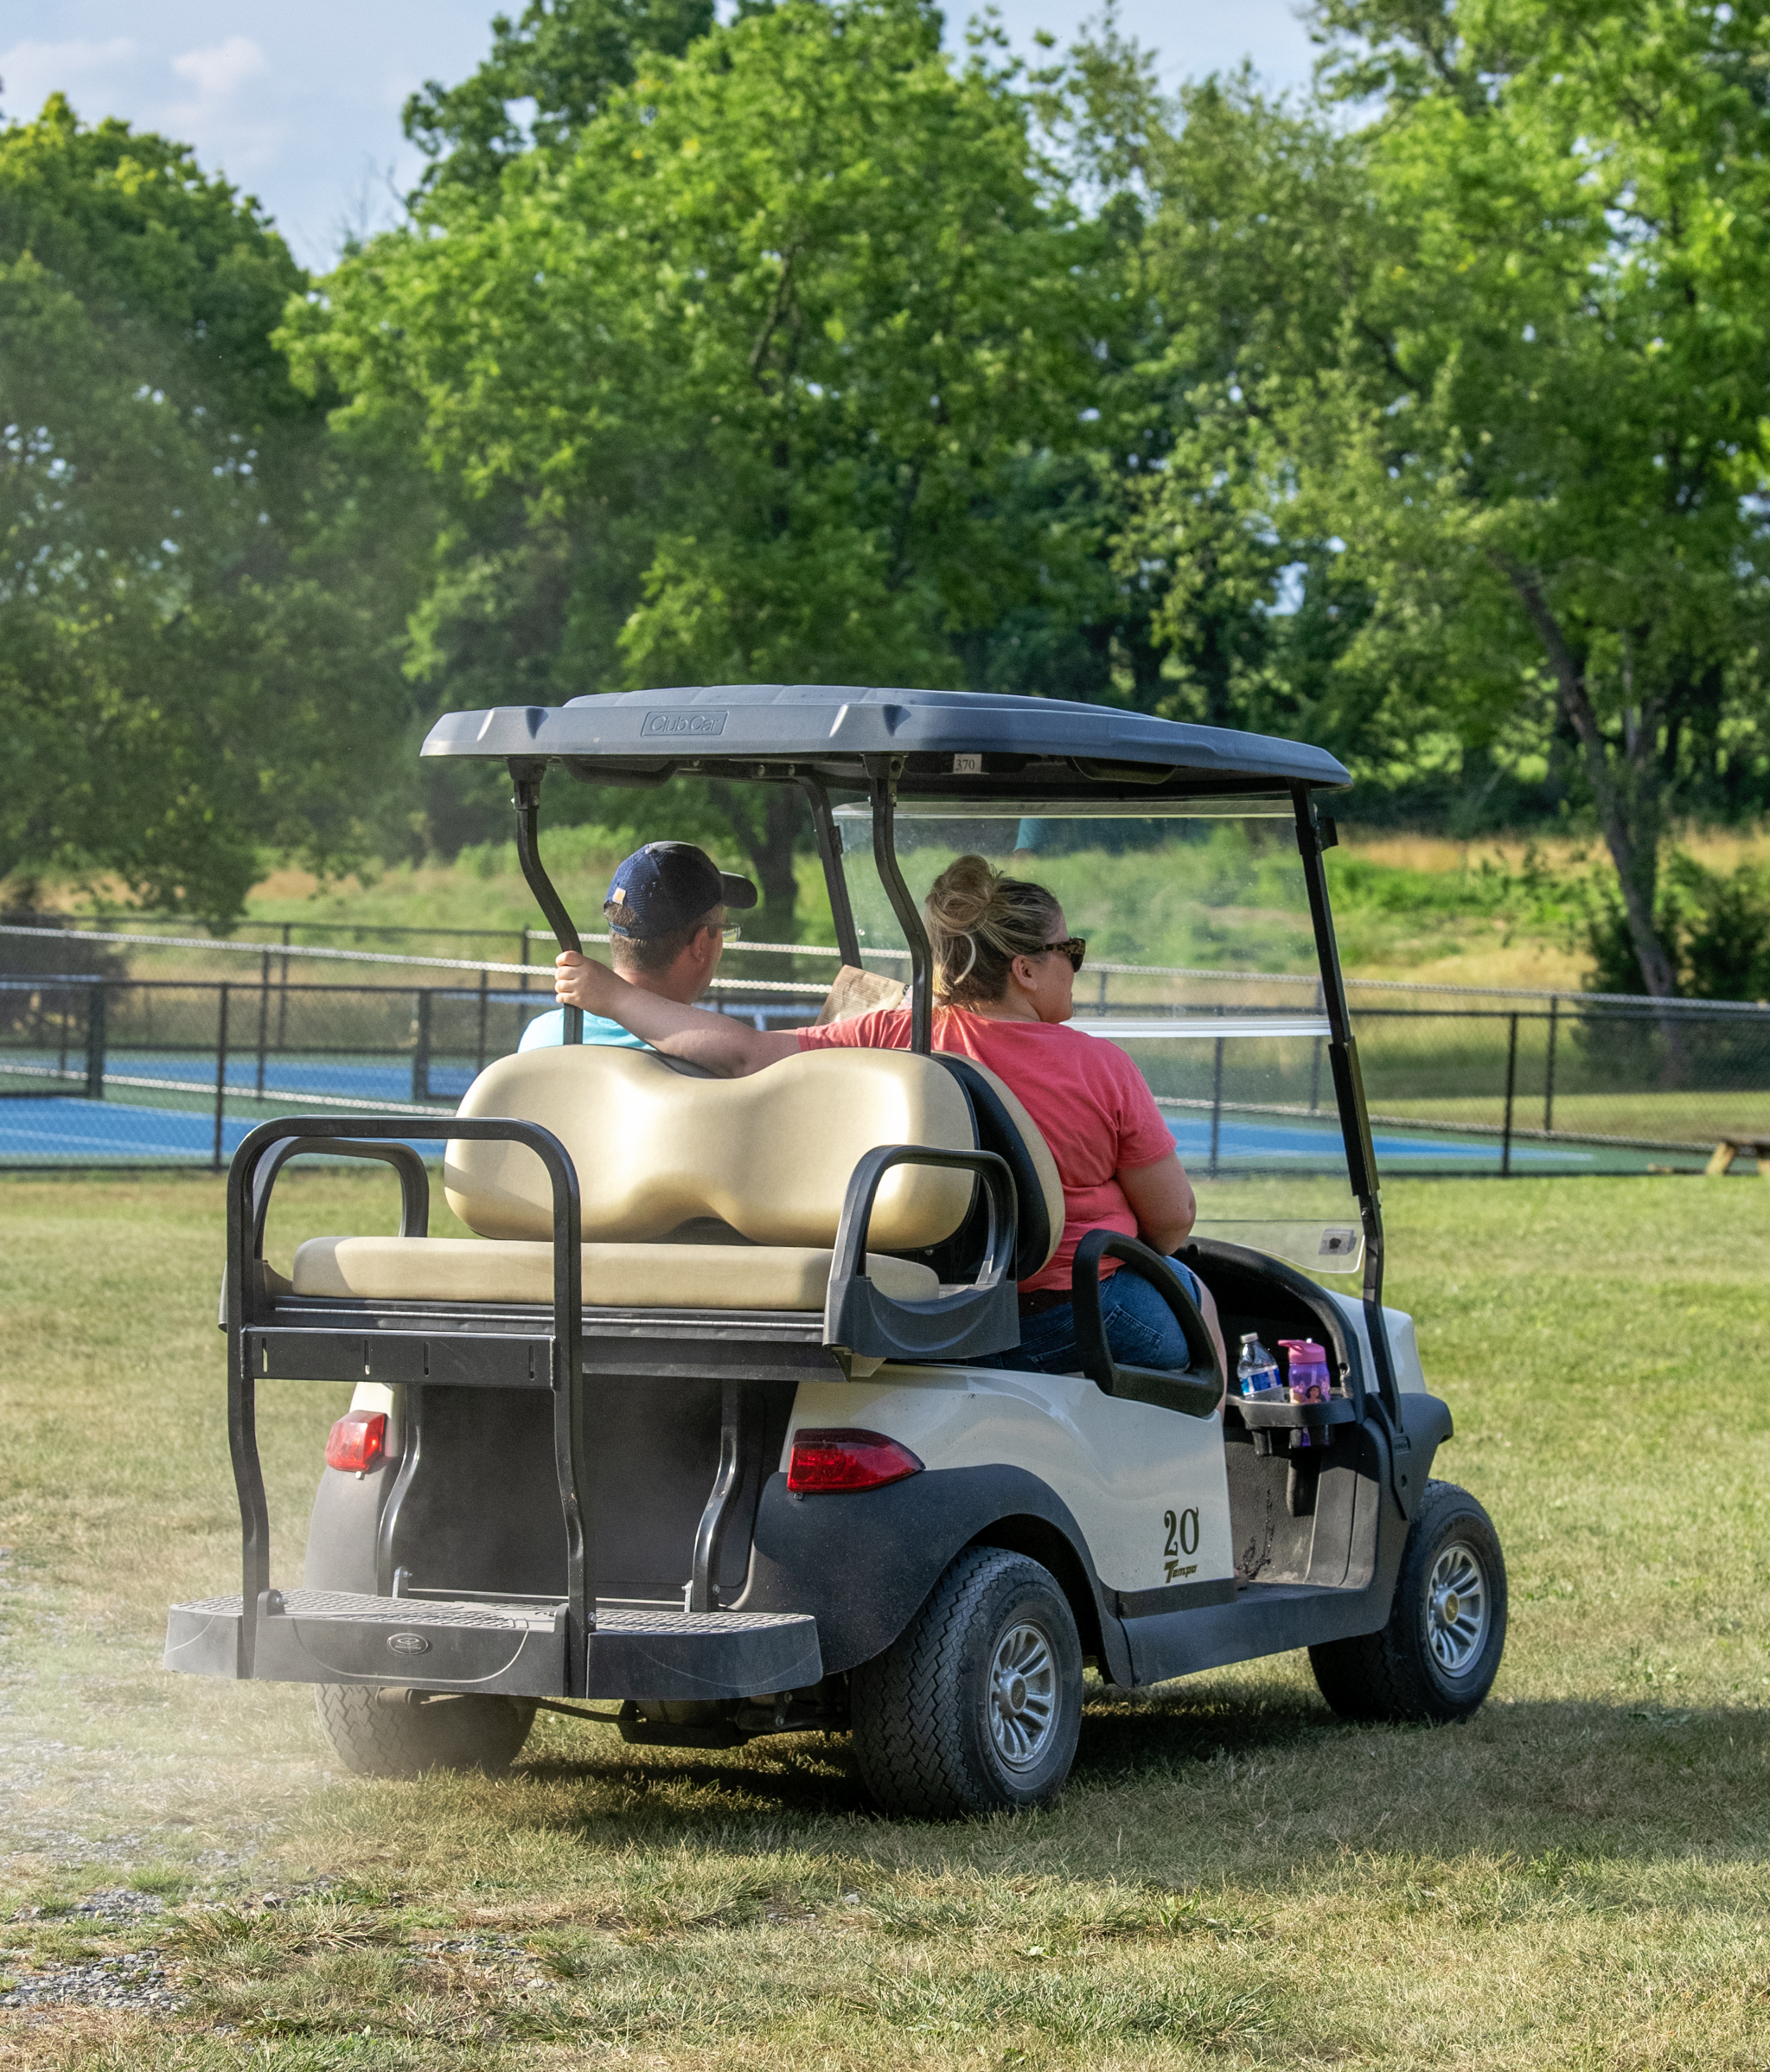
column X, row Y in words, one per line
column 332, row 1348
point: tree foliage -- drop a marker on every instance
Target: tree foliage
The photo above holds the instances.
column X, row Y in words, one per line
column 546, row 77
column 737, row 386
column 1423, row 417
column 182, row 677
column 1542, row 434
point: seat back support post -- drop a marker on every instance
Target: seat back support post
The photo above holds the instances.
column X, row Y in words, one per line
column 246, row 1306
column 410, row 1461
column 882, row 777
column 716, row 1518
column 527, row 777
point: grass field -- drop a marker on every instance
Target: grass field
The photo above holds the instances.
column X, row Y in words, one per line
column 1412, row 907
column 1408, row 906
column 1576, row 1879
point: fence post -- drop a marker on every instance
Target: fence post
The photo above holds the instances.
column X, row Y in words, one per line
column 1548, row 1066
column 421, row 1052
column 1216, row 1104
column 220, row 1071
column 282, row 995
column 1511, row 1081
column 1315, row 1056
column 523, row 959
column 480, row 1057
column 264, row 1015
column 95, row 1042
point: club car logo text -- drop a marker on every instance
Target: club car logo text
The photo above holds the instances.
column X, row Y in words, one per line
column 1182, row 1530
column 684, row 723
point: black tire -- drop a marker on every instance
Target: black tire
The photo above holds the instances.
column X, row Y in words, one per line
column 931, row 1741
column 1437, row 1658
column 399, row 1733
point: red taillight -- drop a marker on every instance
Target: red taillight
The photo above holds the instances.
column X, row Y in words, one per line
column 846, row 1460
column 358, row 1440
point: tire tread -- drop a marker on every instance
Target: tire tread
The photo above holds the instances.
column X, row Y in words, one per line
column 1380, row 1676
column 908, row 1729
column 375, row 1740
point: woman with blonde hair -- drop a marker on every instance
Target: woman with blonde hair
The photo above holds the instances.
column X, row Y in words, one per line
column 1005, row 975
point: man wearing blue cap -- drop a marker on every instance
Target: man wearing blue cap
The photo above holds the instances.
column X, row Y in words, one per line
column 665, row 911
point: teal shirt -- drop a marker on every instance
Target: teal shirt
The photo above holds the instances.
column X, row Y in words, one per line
column 597, row 1028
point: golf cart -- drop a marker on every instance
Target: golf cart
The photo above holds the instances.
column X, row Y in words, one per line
column 698, row 1434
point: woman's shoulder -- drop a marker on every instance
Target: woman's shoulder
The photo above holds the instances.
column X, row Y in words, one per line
column 1049, row 1044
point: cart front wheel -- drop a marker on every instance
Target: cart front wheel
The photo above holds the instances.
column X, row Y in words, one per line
column 399, row 1733
column 1438, row 1656
column 976, row 1707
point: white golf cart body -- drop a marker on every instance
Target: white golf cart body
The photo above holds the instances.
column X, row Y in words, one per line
column 592, row 1406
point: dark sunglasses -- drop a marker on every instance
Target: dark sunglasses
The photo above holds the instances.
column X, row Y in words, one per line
column 1073, row 947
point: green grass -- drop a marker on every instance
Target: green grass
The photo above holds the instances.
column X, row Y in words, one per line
column 1696, row 1118
column 1221, row 904
column 1577, row 1878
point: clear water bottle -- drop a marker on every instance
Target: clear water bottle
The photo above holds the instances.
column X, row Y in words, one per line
column 1308, row 1379
column 1257, row 1372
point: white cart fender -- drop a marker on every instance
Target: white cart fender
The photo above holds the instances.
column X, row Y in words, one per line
column 1147, row 1486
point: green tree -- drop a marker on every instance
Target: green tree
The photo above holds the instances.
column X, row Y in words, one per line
column 1259, row 239
column 558, row 65
column 1543, row 434
column 737, row 386
column 185, row 679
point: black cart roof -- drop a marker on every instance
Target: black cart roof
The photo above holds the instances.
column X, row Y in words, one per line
column 1043, row 746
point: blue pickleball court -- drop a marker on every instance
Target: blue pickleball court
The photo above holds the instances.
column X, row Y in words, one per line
column 58, row 1129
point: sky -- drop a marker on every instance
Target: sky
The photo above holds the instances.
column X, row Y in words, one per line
column 299, row 105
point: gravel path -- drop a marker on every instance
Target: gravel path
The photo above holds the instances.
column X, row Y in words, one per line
column 138, row 1980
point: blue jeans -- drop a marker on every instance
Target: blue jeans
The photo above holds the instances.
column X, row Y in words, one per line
column 1140, row 1329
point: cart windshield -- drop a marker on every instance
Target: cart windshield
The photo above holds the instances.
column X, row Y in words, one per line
column 1201, row 963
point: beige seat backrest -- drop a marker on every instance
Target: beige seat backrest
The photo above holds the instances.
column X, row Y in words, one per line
column 1051, row 1184
column 770, row 1154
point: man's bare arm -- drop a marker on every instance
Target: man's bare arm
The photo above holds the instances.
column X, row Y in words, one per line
column 719, row 1043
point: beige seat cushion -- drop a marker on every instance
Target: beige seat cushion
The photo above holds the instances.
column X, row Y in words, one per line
column 647, row 1276
column 770, row 1154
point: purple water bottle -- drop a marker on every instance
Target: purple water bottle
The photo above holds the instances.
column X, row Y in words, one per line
column 1308, row 1375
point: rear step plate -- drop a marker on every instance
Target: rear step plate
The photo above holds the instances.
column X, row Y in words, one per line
column 450, row 1644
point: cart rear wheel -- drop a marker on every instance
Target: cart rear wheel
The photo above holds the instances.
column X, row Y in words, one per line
column 399, row 1733
column 976, row 1707
column 1437, row 1658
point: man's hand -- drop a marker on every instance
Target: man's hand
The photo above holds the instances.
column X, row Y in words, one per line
column 579, row 982
column 721, row 1042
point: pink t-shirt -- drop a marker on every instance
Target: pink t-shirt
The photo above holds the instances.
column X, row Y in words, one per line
column 1090, row 1101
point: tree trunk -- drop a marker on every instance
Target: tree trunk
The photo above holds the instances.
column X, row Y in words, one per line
column 1632, row 812
column 768, row 838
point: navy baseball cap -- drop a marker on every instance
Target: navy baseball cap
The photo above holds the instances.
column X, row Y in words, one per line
column 665, row 886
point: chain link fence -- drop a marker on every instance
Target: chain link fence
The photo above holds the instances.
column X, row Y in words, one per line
column 124, row 1046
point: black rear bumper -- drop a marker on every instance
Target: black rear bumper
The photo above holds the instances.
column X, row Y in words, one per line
column 514, row 1649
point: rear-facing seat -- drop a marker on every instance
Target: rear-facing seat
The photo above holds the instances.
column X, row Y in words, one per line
column 768, row 1158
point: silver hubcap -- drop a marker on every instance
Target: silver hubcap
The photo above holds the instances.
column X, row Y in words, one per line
column 1456, row 1608
column 1023, row 1695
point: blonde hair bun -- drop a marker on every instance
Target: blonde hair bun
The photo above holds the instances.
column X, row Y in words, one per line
column 979, row 921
